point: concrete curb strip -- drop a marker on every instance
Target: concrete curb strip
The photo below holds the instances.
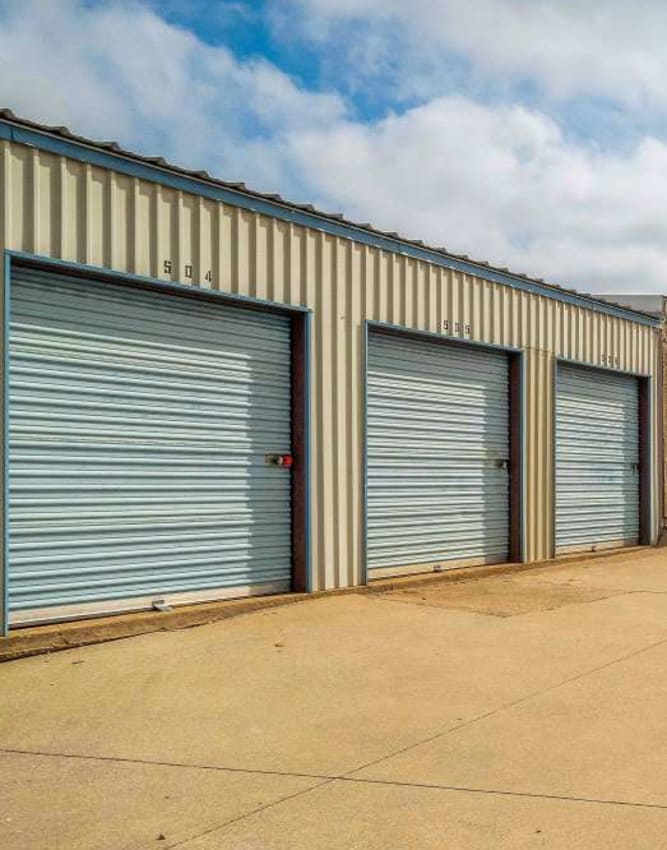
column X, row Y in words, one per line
column 37, row 640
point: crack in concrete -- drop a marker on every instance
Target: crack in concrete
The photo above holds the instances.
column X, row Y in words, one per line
column 604, row 594
column 612, row 591
column 619, row 591
column 458, row 610
column 461, row 609
column 258, row 810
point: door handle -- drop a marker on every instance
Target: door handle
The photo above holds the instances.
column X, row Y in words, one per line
column 286, row 460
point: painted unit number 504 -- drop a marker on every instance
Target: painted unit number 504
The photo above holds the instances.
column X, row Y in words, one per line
column 168, row 268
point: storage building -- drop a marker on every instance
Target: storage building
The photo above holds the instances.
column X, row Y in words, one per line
column 212, row 392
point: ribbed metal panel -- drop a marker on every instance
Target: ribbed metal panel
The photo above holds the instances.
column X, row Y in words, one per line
column 139, row 427
column 597, row 459
column 58, row 207
column 438, row 453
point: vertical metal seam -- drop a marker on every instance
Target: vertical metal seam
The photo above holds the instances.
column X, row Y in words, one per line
column 88, row 214
column 217, row 232
column 62, row 207
column 353, row 262
column 337, row 403
column 110, row 212
column 198, row 271
column 6, row 199
column 35, row 200
column 134, row 207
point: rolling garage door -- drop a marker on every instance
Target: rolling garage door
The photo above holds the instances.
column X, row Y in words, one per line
column 438, row 455
column 597, row 459
column 139, row 425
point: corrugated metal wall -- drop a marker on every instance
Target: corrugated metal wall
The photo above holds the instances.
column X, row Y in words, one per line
column 65, row 209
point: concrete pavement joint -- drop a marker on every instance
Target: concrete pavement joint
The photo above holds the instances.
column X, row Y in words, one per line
column 506, row 706
column 328, row 778
column 157, row 763
column 421, row 786
column 504, row 793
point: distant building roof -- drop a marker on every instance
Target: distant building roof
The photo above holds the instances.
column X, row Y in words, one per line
column 654, row 304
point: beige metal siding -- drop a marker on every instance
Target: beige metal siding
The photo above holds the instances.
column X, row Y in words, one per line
column 64, row 209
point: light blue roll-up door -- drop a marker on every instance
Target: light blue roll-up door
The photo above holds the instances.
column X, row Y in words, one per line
column 139, row 425
column 437, row 455
column 597, row 459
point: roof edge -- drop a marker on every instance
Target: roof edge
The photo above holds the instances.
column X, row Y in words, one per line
column 110, row 155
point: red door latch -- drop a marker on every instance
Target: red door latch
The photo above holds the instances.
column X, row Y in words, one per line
column 286, row 460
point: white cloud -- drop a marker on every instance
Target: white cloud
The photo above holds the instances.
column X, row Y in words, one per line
column 610, row 48
column 500, row 182
column 118, row 71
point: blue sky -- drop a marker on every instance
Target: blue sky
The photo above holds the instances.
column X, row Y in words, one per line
column 532, row 133
column 257, row 29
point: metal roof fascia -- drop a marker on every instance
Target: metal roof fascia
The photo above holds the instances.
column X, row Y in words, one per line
column 199, row 186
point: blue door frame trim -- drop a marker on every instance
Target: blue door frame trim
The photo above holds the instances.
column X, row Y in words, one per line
column 371, row 325
column 307, row 318
column 6, row 261
column 125, row 164
column 103, row 275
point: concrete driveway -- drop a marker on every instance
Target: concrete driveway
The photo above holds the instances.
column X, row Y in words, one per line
column 522, row 711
